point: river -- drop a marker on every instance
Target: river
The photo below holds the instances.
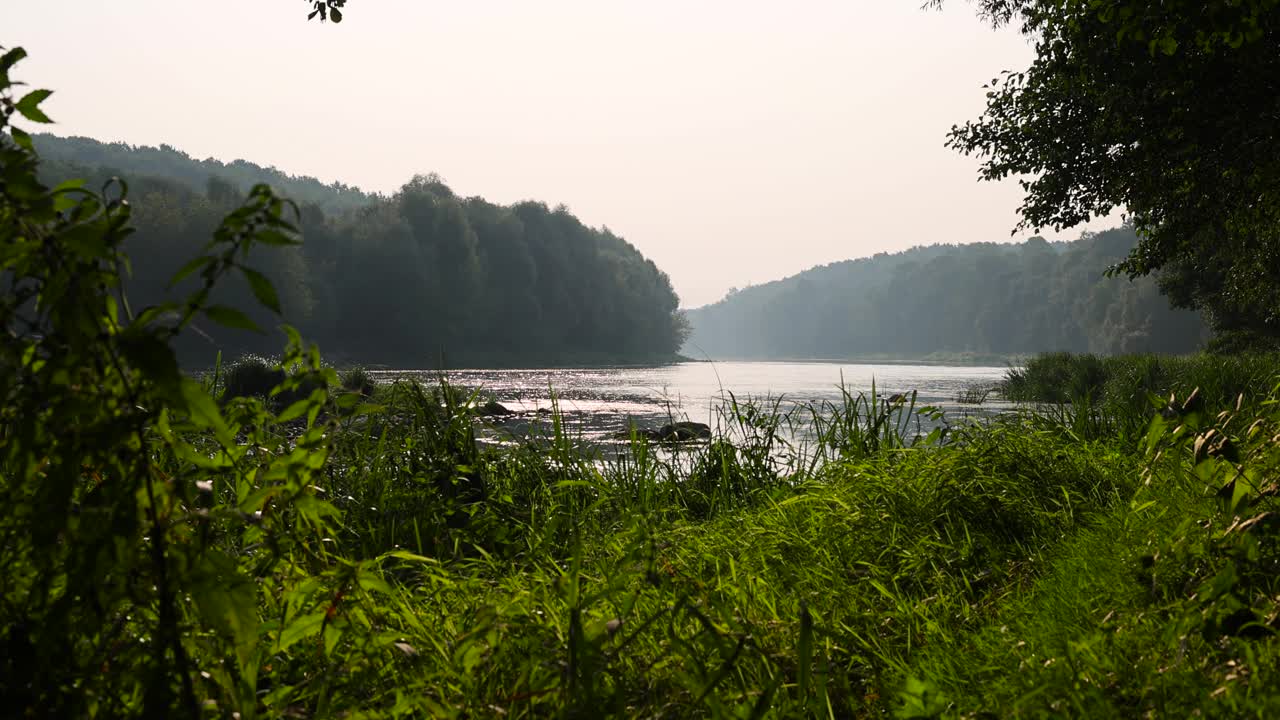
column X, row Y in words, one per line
column 598, row 402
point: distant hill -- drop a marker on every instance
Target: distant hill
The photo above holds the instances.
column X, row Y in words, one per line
column 420, row 279
column 172, row 164
column 980, row 299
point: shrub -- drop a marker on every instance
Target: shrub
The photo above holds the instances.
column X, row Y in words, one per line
column 357, row 380
column 1056, row 377
column 251, row 376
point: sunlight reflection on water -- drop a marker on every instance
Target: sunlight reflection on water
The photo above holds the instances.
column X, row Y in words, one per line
column 598, row 402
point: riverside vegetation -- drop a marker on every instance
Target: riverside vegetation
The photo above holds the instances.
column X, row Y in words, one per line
column 172, row 549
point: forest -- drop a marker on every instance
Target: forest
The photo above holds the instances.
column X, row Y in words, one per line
column 984, row 299
column 421, row 279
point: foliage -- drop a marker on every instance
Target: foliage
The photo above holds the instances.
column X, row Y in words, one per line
column 1167, row 110
column 1166, row 606
column 136, row 530
column 1130, row 380
column 979, row 299
column 1056, row 378
column 250, row 376
column 326, row 10
column 1094, row 398
column 357, row 380
column 421, row 279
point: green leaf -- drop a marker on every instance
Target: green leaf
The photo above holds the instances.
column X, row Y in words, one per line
column 335, row 14
column 204, row 411
column 331, row 637
column 11, row 58
column 275, row 237
column 294, row 411
column 228, row 601
column 89, row 241
column 65, row 196
column 29, row 106
column 314, row 510
column 262, row 289
column 191, row 266
column 372, row 582
column 406, row 555
column 154, row 359
column 301, row 627
column 231, row 318
column 805, row 651
column 22, row 138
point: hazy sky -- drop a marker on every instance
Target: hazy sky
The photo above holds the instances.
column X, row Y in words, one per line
column 732, row 142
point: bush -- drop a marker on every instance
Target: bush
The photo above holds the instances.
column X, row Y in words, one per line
column 251, row 376
column 1057, row 377
column 357, row 380
column 1124, row 383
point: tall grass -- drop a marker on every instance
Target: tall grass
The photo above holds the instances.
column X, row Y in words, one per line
column 722, row 582
column 1117, row 396
column 984, row 571
column 853, row 558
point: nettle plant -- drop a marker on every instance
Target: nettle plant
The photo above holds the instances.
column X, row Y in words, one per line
column 158, row 551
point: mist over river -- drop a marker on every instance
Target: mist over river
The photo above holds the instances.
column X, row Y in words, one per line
column 599, row 402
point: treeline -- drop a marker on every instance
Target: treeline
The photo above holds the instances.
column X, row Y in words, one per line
column 423, row 278
column 166, row 161
column 977, row 299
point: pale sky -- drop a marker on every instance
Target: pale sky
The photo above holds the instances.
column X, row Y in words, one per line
column 733, row 142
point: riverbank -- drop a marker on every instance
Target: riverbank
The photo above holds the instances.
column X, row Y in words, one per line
column 1034, row 565
column 373, row 558
column 518, row 360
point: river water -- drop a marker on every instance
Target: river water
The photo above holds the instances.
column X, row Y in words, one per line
column 599, row 402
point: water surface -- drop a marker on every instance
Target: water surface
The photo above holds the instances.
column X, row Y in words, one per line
column 602, row 401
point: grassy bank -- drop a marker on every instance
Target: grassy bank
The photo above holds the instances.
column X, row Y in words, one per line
column 1124, row 383
column 368, row 557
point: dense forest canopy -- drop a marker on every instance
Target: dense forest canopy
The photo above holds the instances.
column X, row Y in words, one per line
column 424, row 278
column 984, row 298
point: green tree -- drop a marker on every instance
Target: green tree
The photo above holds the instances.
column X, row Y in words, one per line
column 974, row 298
column 407, row 279
column 1169, row 110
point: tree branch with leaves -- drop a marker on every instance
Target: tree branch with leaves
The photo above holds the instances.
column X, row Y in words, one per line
column 1169, row 111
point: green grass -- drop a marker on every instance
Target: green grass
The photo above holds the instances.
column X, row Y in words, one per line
column 1018, row 568
column 1123, row 381
column 891, row 578
column 1040, row 564
column 883, row 555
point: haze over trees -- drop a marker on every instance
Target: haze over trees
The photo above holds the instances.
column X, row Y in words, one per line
column 977, row 299
column 420, row 279
column 1166, row 110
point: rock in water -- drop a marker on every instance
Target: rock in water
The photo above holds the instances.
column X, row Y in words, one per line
column 683, row 431
column 494, row 408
